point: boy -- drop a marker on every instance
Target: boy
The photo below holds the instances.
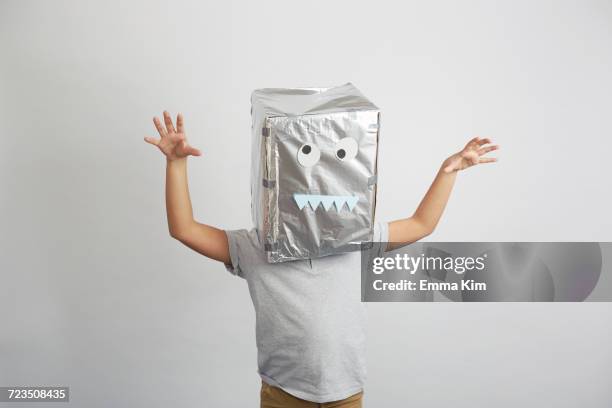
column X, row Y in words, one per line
column 310, row 323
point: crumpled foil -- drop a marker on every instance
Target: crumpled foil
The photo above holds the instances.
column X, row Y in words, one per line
column 313, row 170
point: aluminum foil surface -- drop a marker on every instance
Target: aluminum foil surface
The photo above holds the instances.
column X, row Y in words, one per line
column 313, row 170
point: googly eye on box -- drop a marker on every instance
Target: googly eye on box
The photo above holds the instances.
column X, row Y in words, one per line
column 313, row 170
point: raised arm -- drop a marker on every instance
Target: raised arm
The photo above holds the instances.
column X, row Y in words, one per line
column 426, row 217
column 207, row 240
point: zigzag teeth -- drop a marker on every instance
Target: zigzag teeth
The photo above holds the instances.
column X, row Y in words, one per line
column 314, row 203
column 326, row 201
column 301, row 200
column 340, row 201
column 352, row 202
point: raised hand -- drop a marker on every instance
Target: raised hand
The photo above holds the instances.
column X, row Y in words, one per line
column 470, row 155
column 172, row 142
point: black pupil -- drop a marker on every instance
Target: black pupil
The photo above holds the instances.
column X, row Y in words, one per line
column 341, row 153
column 306, row 149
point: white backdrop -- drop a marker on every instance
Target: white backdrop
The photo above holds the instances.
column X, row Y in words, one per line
column 96, row 296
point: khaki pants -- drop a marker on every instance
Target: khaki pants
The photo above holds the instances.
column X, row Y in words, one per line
column 274, row 397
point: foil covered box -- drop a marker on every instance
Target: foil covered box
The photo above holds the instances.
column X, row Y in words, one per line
column 313, row 170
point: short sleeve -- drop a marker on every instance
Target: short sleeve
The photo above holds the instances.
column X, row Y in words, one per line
column 241, row 249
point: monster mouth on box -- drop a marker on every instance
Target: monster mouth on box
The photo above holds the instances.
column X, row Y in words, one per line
column 326, row 201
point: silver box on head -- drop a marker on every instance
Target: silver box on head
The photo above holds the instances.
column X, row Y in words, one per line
column 313, row 170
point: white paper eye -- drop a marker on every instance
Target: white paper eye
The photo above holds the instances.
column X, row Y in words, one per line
column 346, row 149
column 308, row 155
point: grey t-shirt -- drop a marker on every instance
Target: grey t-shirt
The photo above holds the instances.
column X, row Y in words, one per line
column 310, row 322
